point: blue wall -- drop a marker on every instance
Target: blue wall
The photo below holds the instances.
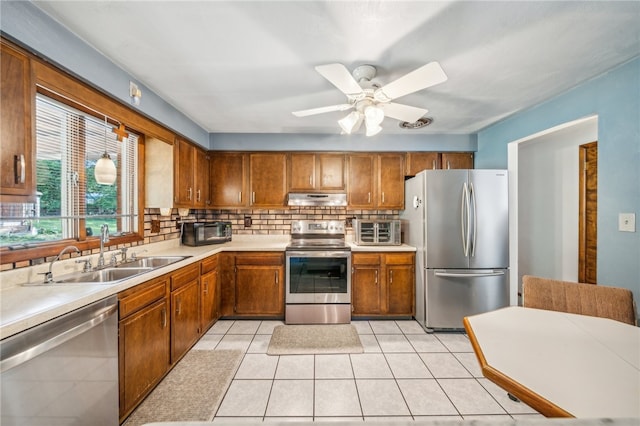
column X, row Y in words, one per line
column 615, row 98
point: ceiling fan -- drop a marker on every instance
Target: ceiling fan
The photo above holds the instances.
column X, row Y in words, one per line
column 371, row 102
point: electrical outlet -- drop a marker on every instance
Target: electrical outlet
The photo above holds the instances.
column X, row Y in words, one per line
column 627, row 222
column 247, row 221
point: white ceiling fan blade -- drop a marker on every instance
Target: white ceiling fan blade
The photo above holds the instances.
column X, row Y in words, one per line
column 321, row 110
column 340, row 77
column 426, row 76
column 403, row 112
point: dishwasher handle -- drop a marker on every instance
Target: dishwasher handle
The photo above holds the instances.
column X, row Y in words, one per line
column 55, row 334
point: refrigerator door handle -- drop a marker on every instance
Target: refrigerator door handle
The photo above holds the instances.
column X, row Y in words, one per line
column 475, row 219
column 472, row 275
column 464, row 214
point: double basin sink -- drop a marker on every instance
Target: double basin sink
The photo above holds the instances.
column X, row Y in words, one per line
column 114, row 274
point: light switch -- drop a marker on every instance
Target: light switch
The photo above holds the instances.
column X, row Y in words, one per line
column 627, row 222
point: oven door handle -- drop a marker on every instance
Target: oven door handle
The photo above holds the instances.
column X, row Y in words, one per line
column 318, row 253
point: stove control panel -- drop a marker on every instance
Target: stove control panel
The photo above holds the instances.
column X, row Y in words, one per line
column 330, row 227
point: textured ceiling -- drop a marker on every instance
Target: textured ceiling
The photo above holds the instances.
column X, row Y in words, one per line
column 242, row 66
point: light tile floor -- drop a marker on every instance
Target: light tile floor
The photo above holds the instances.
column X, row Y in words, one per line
column 403, row 374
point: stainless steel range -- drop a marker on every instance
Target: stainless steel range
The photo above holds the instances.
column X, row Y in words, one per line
column 318, row 278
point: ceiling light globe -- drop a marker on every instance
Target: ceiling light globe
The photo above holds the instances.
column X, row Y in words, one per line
column 373, row 115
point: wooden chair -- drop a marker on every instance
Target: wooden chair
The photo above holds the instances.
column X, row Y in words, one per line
column 579, row 298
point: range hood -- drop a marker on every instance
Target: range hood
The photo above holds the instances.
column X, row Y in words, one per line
column 317, row 199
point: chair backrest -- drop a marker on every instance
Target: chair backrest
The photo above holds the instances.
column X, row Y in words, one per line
column 579, row 298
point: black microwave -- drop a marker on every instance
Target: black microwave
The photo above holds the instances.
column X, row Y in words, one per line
column 203, row 233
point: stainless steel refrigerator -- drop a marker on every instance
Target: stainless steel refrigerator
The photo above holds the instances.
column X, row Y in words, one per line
column 458, row 220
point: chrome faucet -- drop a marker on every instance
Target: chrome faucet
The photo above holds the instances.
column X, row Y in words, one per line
column 48, row 277
column 104, row 238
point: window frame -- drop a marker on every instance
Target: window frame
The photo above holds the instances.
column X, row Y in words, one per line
column 49, row 79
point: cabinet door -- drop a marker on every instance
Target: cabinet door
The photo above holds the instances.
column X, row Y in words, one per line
column 457, row 160
column 361, row 180
column 210, row 299
column 302, row 172
column 268, row 179
column 16, row 108
column 259, row 290
column 419, row 161
column 391, row 181
column 330, row 172
column 144, row 353
column 365, row 289
column 183, row 174
column 400, row 290
column 228, row 178
column 201, row 179
column 185, row 319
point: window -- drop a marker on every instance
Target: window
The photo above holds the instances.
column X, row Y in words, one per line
column 70, row 204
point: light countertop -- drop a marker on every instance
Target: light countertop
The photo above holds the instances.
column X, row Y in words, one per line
column 22, row 307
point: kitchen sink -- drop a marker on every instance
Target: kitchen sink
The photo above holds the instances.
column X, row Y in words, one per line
column 102, row 276
column 151, row 262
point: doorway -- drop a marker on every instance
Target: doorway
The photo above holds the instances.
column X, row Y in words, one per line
column 588, row 214
column 544, row 202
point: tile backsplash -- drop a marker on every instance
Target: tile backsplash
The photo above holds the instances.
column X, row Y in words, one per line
column 263, row 222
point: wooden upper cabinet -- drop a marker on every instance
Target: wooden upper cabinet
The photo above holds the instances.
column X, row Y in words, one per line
column 17, row 97
column 419, row 161
column 228, row 173
column 457, row 160
column 361, row 180
column 268, row 179
column 191, row 174
column 390, row 181
column 316, row 172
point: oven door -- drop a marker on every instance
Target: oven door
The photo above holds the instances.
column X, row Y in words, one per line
column 318, row 276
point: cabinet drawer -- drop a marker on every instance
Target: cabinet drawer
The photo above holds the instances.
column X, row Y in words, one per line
column 399, row 258
column 209, row 264
column 365, row 259
column 185, row 275
column 136, row 298
column 260, row 259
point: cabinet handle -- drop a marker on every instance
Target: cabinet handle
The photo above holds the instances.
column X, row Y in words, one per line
column 448, row 164
column 164, row 317
column 310, row 180
column 434, row 164
column 277, row 277
column 390, row 277
column 368, row 197
column 376, row 281
column 189, row 192
column 19, row 168
column 383, row 198
column 240, row 196
column 178, row 306
column 253, row 197
column 206, row 286
column 198, row 195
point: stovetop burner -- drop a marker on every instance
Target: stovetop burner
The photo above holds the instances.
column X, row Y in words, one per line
column 317, row 235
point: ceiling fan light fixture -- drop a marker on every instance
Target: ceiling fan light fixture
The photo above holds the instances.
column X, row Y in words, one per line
column 373, row 130
column 373, row 115
column 351, row 122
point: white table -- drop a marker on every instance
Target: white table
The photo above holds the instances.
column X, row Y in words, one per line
column 563, row 365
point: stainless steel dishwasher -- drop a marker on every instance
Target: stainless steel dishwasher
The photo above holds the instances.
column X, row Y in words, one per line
column 64, row 371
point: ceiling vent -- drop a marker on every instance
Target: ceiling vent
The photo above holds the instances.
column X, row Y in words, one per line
column 420, row 123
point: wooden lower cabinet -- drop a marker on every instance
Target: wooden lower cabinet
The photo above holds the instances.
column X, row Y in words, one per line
column 143, row 341
column 209, row 292
column 383, row 284
column 185, row 310
column 252, row 284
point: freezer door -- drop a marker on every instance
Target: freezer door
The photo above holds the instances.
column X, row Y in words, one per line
column 454, row 294
column 489, row 205
column 447, row 218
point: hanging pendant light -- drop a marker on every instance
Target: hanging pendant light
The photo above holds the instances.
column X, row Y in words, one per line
column 105, row 170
